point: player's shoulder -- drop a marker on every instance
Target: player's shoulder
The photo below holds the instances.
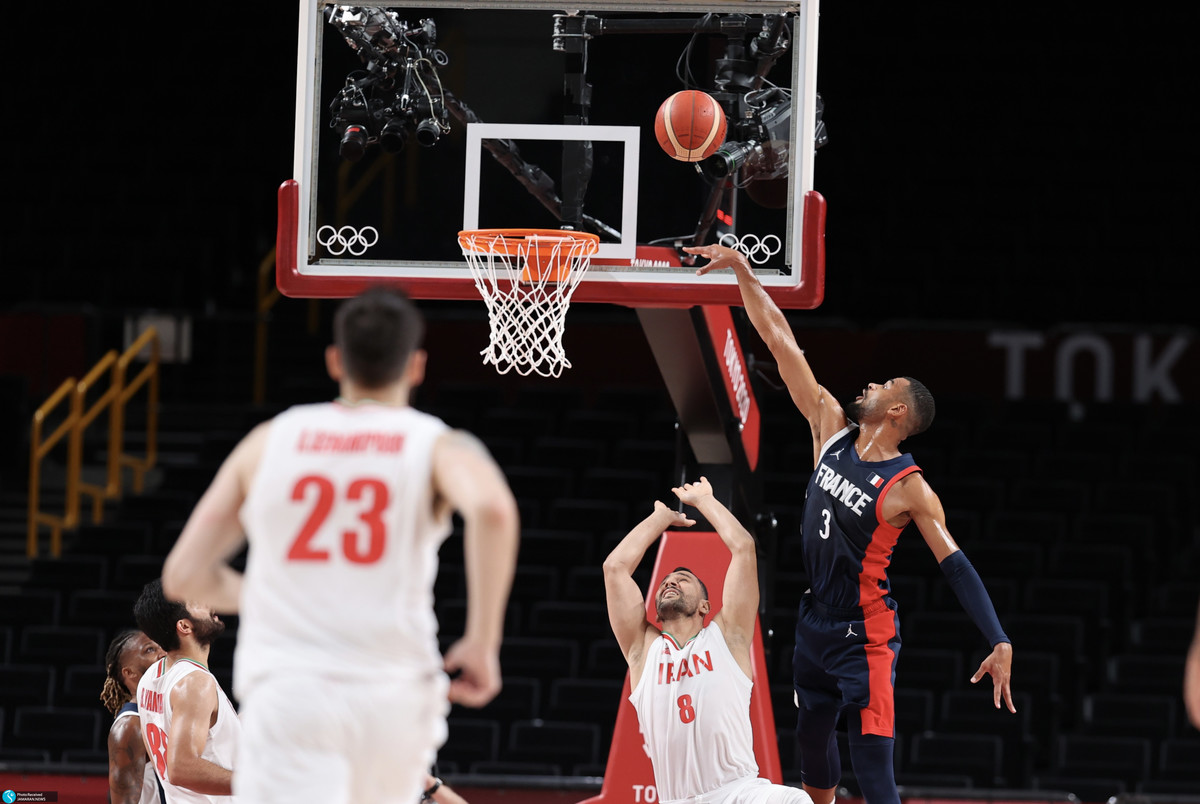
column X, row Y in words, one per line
column 915, row 491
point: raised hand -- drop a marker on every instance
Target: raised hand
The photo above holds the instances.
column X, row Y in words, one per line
column 692, row 493
column 718, row 257
column 677, row 519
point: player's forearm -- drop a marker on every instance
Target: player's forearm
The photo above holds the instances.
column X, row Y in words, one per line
column 970, row 591
column 200, row 775
column 218, row 585
column 125, row 784
column 764, row 314
column 490, row 540
column 628, row 553
column 731, row 531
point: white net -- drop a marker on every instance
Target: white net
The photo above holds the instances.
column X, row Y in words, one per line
column 526, row 279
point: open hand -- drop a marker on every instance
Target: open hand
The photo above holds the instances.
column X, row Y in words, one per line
column 692, row 493
column 998, row 665
column 718, row 257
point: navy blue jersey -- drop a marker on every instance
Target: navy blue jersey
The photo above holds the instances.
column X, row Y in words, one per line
column 847, row 547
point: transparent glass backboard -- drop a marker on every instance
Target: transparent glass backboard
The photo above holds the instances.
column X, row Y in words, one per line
column 418, row 120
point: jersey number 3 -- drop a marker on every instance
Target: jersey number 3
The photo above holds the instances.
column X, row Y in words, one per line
column 323, row 499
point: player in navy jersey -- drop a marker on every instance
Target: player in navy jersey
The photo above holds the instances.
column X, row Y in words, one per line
column 130, row 780
column 864, row 491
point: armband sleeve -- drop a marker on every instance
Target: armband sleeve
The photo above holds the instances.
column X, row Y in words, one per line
column 969, row 589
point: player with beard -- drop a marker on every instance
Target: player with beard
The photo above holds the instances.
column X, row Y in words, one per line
column 863, row 493
column 691, row 683
column 190, row 728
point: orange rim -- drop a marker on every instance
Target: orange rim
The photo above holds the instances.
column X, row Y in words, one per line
column 524, row 242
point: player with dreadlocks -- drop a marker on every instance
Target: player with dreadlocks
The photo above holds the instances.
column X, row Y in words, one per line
column 129, row 654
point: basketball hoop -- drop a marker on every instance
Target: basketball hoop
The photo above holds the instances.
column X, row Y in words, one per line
column 526, row 278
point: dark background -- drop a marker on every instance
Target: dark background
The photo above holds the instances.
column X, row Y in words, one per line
column 984, row 162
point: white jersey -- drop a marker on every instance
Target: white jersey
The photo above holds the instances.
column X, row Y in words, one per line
column 149, row 794
column 343, row 547
column 154, row 709
column 693, row 707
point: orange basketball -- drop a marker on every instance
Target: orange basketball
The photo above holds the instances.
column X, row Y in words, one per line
column 690, row 125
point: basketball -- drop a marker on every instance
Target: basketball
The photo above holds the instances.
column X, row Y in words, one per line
column 690, row 125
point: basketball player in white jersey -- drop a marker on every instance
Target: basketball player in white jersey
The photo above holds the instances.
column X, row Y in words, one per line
column 344, row 504
column 691, row 683
column 190, row 728
column 130, row 781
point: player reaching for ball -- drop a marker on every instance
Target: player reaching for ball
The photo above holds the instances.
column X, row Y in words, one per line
column 862, row 494
column 696, row 724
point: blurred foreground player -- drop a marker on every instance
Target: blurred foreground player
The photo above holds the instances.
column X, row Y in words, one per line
column 691, row 683
column 863, row 493
column 345, row 504
column 190, row 727
column 129, row 655
column 1191, row 680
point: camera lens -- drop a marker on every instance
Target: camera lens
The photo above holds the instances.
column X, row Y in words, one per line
column 726, row 161
column 393, row 137
column 428, row 132
column 354, row 143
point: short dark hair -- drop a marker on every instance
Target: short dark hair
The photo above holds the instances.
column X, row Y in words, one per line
column 157, row 616
column 703, row 588
column 376, row 332
column 921, row 406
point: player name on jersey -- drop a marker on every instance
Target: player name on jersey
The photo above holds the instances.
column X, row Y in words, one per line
column 322, row 441
column 151, row 701
column 842, row 489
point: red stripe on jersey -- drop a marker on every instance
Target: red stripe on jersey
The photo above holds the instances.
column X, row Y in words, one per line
column 878, row 716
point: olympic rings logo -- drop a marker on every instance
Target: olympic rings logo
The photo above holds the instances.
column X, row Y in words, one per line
column 757, row 249
column 347, row 239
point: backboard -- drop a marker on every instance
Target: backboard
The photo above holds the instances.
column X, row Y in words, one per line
column 416, row 120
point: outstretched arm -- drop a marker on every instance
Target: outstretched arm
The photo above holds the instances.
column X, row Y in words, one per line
column 739, row 595
column 193, row 706
column 466, row 476
column 822, row 411
column 126, row 761
column 1191, row 681
column 914, row 496
column 626, row 605
column 197, row 567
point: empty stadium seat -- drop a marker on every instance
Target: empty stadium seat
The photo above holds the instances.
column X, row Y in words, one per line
column 978, row 756
column 1123, row 758
column 929, row 668
column 56, row 729
column 519, row 699
column 1130, row 715
column 558, row 618
column 588, row 700
column 553, row 741
column 62, row 645
column 542, row 658
column 470, row 740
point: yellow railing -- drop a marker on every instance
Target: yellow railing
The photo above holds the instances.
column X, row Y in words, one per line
column 77, row 420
